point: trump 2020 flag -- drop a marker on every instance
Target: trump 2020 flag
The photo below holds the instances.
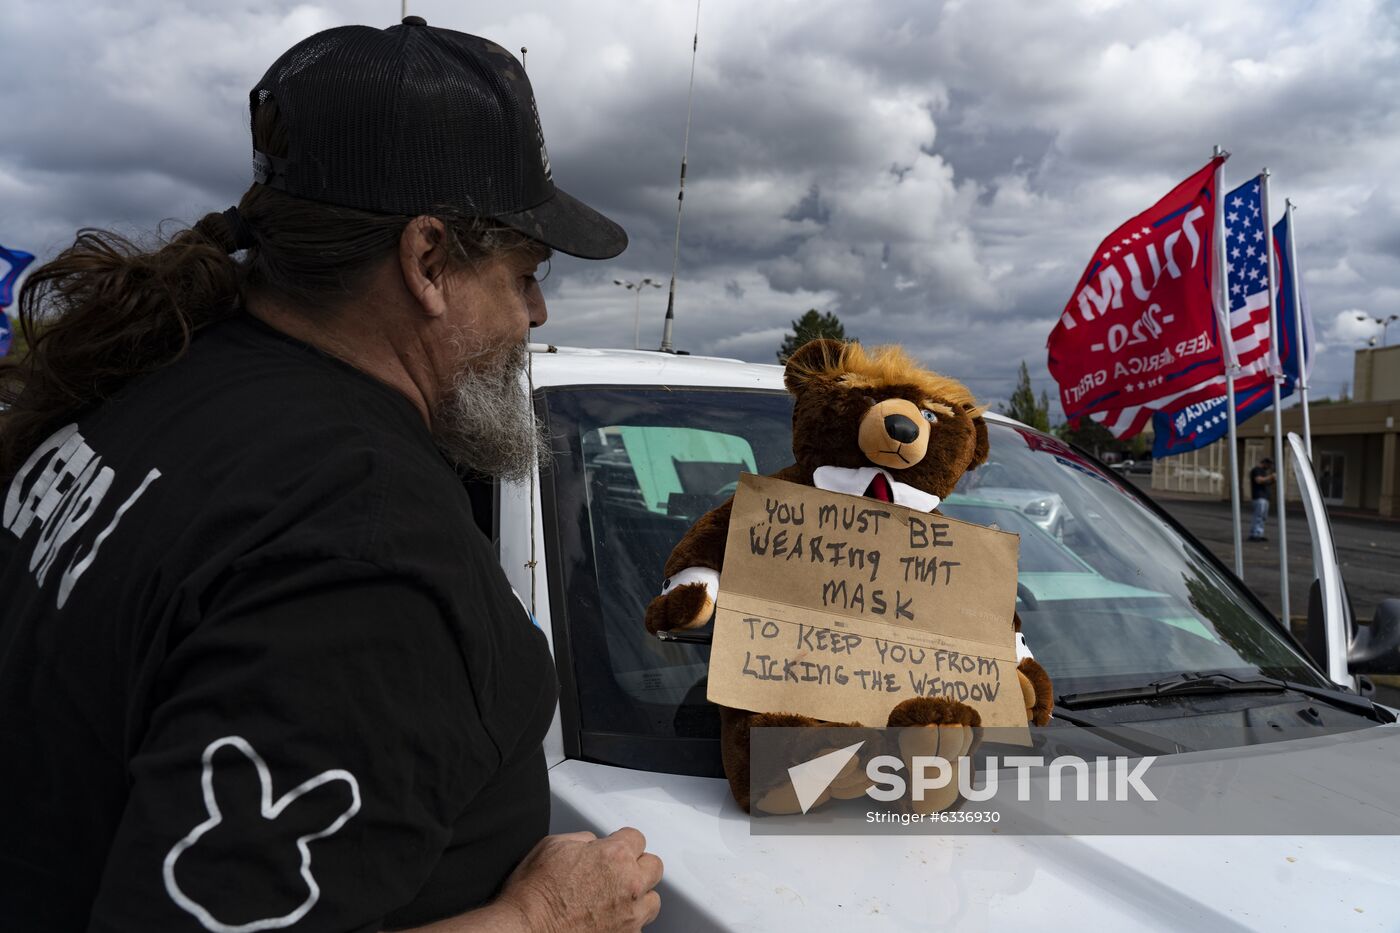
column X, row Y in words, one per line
column 13, row 262
column 1196, row 425
column 1205, row 422
column 1141, row 331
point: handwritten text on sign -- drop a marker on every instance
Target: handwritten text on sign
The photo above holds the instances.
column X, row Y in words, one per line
column 840, row 607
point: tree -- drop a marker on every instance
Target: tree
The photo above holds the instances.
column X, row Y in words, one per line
column 1023, row 405
column 18, row 346
column 811, row 326
column 14, row 336
column 1091, row 436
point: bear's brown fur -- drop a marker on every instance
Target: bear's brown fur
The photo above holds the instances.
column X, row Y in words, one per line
column 853, row 409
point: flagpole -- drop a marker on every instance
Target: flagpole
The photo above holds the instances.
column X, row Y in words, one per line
column 1299, row 336
column 1276, row 377
column 1222, row 300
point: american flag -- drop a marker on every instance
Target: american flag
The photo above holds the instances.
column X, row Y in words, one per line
column 1245, row 239
column 1247, row 244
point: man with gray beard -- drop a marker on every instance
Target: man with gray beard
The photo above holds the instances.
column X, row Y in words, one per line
column 259, row 667
column 485, row 424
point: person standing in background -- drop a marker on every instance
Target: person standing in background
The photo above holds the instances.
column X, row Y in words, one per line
column 1261, row 489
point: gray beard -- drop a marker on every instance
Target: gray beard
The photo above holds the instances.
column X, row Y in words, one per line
column 485, row 422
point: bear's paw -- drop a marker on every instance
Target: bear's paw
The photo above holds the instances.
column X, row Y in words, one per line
column 685, row 607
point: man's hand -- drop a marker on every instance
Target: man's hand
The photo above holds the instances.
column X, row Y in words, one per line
column 577, row 881
column 574, row 881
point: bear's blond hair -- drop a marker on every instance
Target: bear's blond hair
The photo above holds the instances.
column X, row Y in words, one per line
column 887, row 365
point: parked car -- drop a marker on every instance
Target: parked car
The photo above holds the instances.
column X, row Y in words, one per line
column 1044, row 508
column 645, row 442
column 1196, row 473
column 1129, row 465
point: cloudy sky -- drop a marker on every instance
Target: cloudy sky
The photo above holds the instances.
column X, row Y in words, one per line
column 936, row 174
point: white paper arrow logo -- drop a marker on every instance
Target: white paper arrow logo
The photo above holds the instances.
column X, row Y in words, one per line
column 811, row 778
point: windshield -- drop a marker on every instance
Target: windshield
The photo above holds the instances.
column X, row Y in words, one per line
column 1110, row 594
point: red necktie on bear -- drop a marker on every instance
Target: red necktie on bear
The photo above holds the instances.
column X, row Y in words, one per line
column 879, row 488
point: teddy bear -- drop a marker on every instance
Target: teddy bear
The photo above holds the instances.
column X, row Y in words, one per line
column 866, row 423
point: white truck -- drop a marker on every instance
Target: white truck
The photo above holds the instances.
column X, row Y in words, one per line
column 646, row 442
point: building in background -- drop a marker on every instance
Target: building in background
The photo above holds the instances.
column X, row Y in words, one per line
column 1355, row 456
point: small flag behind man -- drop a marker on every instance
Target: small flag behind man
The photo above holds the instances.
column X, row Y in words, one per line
column 13, row 262
column 1193, row 426
column 1142, row 330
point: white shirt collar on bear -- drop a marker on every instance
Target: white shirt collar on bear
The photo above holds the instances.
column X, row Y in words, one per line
column 853, row 481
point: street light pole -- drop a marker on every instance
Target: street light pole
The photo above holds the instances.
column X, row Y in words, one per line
column 637, row 287
column 1383, row 322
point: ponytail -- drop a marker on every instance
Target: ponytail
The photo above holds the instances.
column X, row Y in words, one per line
column 103, row 312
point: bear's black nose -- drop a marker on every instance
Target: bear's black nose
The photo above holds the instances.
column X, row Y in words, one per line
column 901, row 428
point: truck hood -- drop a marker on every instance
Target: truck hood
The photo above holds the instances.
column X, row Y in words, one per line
column 718, row 876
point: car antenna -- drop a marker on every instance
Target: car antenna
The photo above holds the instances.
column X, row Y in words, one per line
column 533, row 563
column 666, row 345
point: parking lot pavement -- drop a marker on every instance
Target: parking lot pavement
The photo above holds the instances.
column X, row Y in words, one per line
column 1367, row 548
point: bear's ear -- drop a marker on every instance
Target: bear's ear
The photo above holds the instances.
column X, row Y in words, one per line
column 812, row 360
column 982, row 447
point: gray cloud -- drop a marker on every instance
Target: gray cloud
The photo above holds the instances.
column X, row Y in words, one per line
column 936, row 174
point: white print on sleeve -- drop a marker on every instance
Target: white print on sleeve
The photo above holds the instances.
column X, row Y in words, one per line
column 60, row 488
column 270, row 810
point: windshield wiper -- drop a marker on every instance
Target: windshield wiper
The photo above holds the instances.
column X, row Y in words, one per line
column 1187, row 684
column 1206, row 683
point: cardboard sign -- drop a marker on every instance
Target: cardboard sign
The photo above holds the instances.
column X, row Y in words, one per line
column 841, row 607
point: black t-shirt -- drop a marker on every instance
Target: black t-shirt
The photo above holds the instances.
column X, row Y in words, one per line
column 259, row 669
column 1257, row 489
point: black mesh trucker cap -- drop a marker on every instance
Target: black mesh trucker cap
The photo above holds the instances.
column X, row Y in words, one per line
column 412, row 119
